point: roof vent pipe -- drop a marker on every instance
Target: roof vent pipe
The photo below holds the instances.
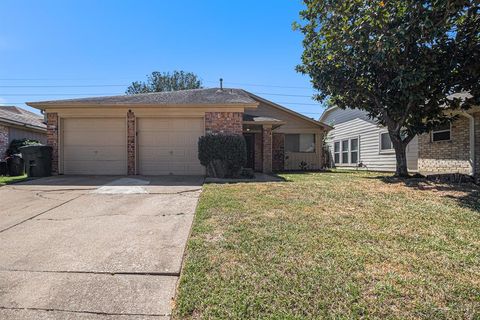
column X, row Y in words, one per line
column 221, row 84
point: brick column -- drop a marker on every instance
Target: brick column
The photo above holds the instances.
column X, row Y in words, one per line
column 131, row 142
column 267, row 148
column 52, row 139
column 3, row 141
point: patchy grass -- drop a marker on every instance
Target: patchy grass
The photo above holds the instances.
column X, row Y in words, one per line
column 7, row 180
column 340, row 245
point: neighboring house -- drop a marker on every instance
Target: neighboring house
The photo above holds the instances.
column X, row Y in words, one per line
column 453, row 148
column 157, row 133
column 17, row 123
column 358, row 141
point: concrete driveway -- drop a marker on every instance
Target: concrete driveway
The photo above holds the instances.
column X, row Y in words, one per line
column 93, row 247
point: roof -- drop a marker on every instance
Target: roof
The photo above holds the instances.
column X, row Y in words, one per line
column 301, row 116
column 326, row 111
column 211, row 96
column 21, row 117
column 182, row 97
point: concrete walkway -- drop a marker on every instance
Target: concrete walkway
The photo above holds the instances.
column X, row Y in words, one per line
column 93, row 247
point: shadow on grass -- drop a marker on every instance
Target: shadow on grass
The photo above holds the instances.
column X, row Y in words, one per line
column 466, row 194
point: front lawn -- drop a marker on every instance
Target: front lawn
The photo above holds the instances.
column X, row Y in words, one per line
column 339, row 245
column 7, row 180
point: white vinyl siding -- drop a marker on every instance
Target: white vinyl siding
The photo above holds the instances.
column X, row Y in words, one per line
column 369, row 153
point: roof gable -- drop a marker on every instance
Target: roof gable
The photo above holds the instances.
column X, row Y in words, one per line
column 299, row 117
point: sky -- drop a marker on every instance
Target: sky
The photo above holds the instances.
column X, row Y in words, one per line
column 69, row 49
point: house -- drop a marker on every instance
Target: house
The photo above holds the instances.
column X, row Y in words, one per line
column 17, row 123
column 453, row 148
column 157, row 133
column 358, row 141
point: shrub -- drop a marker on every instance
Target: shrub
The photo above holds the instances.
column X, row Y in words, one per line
column 223, row 155
column 18, row 143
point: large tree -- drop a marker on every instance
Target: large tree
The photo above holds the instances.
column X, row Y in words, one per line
column 399, row 60
column 158, row 81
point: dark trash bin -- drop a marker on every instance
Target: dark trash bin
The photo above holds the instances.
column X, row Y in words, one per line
column 3, row 168
column 15, row 166
column 38, row 160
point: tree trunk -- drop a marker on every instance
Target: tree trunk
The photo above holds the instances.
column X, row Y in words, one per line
column 400, row 153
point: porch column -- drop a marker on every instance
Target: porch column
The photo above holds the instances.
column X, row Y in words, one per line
column 267, row 148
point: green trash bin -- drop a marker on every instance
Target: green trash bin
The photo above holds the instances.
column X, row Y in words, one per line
column 38, row 160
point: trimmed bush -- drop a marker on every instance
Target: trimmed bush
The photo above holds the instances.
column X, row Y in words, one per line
column 223, row 155
column 18, row 143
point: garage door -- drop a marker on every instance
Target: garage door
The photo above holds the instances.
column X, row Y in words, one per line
column 94, row 146
column 169, row 146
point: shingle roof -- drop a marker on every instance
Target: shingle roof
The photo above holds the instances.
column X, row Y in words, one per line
column 185, row 97
column 21, row 116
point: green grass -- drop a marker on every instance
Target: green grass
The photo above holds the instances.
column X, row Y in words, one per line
column 339, row 245
column 7, row 180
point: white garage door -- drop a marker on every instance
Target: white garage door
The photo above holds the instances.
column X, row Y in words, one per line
column 169, row 146
column 94, row 146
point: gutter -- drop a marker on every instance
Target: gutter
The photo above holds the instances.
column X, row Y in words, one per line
column 24, row 125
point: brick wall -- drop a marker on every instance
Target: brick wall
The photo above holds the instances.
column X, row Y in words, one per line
column 224, row 122
column 258, row 152
column 278, row 151
column 131, row 137
column 3, row 141
column 52, row 139
column 267, row 149
column 446, row 156
column 477, row 146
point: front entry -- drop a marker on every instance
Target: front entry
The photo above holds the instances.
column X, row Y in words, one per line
column 250, row 141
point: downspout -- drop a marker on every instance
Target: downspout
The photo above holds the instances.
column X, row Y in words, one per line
column 472, row 141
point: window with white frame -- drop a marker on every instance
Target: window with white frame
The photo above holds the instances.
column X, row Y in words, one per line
column 346, row 151
column 354, row 151
column 300, row 142
column 386, row 144
column 345, row 148
column 336, row 151
column 442, row 133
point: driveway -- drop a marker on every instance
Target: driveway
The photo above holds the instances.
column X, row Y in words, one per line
column 93, row 247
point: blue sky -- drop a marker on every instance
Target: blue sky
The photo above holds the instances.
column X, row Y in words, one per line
column 66, row 49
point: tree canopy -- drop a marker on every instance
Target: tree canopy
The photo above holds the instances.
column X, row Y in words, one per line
column 402, row 61
column 158, row 81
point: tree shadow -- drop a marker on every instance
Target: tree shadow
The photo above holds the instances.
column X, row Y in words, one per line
column 465, row 193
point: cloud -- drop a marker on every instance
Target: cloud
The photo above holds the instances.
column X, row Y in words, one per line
column 2, row 101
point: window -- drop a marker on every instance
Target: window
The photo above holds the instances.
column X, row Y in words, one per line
column 336, row 152
column 300, row 142
column 385, row 142
column 345, row 151
column 354, row 150
column 441, row 133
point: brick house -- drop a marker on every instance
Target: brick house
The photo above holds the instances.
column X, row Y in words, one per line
column 157, row 133
column 453, row 148
column 17, row 123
